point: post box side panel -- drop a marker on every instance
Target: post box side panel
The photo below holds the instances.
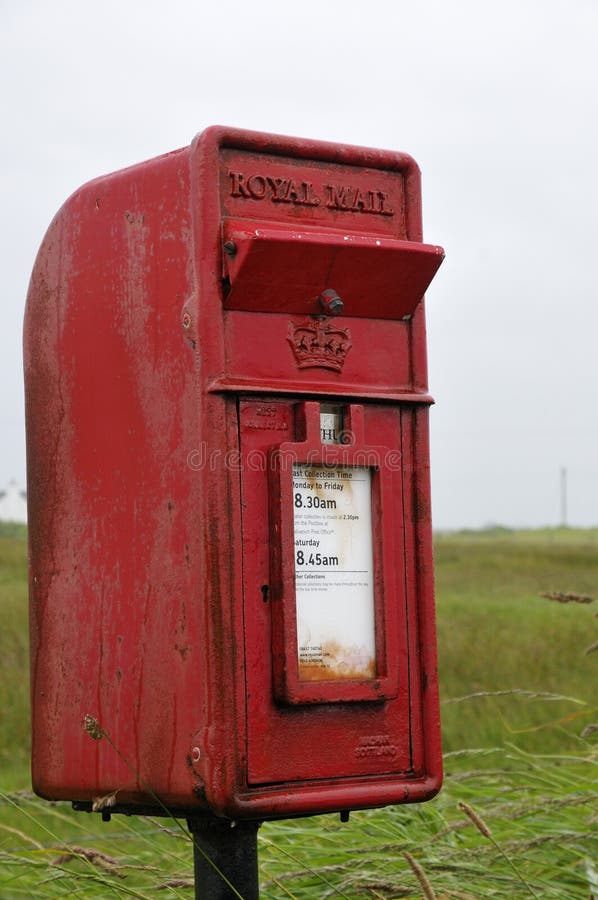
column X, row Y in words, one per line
column 110, row 395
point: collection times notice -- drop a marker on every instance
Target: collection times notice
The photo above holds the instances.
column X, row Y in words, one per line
column 334, row 579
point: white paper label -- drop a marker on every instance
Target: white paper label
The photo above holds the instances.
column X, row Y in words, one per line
column 334, row 579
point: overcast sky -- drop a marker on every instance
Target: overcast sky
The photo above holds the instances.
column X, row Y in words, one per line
column 496, row 101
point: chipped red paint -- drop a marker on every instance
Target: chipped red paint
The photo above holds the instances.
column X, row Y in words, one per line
column 148, row 351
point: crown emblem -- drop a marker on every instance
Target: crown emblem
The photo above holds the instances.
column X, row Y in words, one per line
column 317, row 343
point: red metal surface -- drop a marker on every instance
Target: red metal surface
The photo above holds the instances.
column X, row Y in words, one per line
column 149, row 530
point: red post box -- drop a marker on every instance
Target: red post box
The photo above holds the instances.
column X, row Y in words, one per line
column 230, row 538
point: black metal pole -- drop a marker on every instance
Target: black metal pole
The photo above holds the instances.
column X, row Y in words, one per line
column 224, row 858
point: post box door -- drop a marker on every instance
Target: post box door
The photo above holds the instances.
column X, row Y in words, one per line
column 328, row 720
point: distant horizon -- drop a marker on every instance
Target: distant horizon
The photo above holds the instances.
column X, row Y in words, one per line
column 485, row 527
column 438, row 532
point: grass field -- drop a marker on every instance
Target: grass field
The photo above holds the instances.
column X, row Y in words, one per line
column 518, row 815
column 496, row 633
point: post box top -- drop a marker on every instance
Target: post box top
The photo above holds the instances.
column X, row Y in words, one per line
column 220, row 136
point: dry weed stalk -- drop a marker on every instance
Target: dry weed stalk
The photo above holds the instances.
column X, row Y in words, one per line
column 92, row 727
column 589, row 729
column 481, row 826
column 95, row 857
column 568, row 597
column 421, row 877
column 475, row 818
column 105, row 802
column 509, row 692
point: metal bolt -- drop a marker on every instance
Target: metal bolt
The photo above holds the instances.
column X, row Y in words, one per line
column 195, row 754
column 331, row 302
column 230, row 248
column 186, row 320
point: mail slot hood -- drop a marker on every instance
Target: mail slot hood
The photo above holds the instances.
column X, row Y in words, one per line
column 270, row 268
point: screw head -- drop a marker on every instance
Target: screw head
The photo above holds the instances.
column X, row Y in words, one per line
column 230, row 248
column 186, row 320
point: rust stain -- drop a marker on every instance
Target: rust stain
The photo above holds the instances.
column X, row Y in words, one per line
column 338, row 664
column 182, row 650
column 421, row 507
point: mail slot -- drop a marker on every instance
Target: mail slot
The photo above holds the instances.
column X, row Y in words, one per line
column 231, row 584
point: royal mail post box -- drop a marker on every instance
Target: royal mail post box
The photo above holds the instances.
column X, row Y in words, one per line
column 230, row 539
